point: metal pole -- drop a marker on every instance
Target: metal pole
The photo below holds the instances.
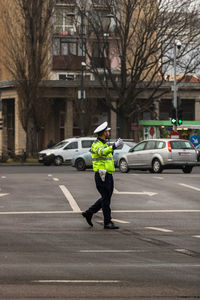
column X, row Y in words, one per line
column 82, row 81
column 175, row 86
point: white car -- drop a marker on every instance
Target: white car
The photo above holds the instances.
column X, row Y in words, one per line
column 65, row 150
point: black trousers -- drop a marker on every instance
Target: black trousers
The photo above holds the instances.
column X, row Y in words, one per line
column 105, row 188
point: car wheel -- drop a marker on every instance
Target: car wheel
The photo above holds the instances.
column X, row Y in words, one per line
column 80, row 164
column 187, row 169
column 123, row 166
column 156, row 166
column 58, row 161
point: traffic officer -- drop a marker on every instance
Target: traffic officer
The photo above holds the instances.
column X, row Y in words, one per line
column 103, row 166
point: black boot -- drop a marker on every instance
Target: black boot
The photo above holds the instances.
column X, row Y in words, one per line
column 88, row 217
column 111, row 225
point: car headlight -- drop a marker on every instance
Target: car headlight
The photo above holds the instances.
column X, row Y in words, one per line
column 48, row 153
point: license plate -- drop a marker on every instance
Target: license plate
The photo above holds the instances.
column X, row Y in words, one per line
column 184, row 153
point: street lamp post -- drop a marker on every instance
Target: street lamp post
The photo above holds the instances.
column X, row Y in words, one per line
column 82, row 79
column 83, row 65
column 177, row 44
column 175, row 85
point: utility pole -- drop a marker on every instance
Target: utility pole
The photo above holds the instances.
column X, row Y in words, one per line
column 175, row 87
column 82, row 78
column 177, row 44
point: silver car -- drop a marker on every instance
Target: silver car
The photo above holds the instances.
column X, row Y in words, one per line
column 158, row 154
column 83, row 161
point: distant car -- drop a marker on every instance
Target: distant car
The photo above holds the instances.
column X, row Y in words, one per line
column 65, row 150
column 84, row 161
column 198, row 152
column 158, row 154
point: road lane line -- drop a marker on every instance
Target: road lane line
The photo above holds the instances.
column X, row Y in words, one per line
column 3, row 177
column 159, row 229
column 49, row 175
column 78, row 212
column 55, row 179
column 117, row 221
column 112, row 251
column 2, row 195
column 121, row 221
column 196, row 236
column 76, row 281
column 134, row 193
column 156, row 177
column 35, row 212
column 70, row 198
column 158, row 211
column 190, row 187
column 184, row 251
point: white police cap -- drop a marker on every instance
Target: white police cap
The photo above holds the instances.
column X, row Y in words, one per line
column 102, row 127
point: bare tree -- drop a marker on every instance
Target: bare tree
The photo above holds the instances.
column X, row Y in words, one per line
column 130, row 48
column 25, row 44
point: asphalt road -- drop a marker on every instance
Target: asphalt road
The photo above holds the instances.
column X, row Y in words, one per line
column 47, row 250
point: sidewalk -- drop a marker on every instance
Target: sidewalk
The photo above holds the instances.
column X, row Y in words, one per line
column 19, row 164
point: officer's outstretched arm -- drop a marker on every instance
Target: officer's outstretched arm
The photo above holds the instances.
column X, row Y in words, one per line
column 101, row 151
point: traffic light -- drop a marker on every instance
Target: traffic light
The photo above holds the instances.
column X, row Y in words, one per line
column 179, row 112
column 173, row 116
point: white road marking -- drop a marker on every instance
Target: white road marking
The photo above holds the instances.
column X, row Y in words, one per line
column 2, row 195
column 190, row 187
column 3, row 177
column 55, row 179
column 184, row 251
column 117, row 221
column 70, row 198
column 76, row 281
column 49, row 175
column 156, row 177
column 35, row 212
column 120, row 221
column 158, row 211
column 159, row 229
column 111, row 251
column 134, row 193
column 77, row 212
column 196, row 236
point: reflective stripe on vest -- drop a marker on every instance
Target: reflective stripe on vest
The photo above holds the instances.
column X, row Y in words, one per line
column 102, row 148
column 101, row 158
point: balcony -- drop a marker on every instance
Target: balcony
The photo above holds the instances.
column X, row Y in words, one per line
column 65, row 2
column 66, row 62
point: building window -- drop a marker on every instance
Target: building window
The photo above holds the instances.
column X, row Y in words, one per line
column 100, row 52
column 100, row 49
column 100, row 20
column 67, row 46
column 62, row 125
column 56, row 46
column 63, row 20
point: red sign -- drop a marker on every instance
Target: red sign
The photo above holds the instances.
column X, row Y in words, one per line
column 151, row 131
column 174, row 135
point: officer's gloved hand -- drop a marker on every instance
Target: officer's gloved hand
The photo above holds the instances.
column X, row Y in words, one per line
column 119, row 143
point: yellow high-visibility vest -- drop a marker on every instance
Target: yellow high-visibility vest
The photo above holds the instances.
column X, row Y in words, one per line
column 102, row 157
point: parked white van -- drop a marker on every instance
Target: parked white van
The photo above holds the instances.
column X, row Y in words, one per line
column 65, row 150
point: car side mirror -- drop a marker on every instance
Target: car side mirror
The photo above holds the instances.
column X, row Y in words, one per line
column 131, row 150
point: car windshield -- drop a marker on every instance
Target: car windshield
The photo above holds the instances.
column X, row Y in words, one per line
column 60, row 145
column 181, row 145
column 130, row 144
